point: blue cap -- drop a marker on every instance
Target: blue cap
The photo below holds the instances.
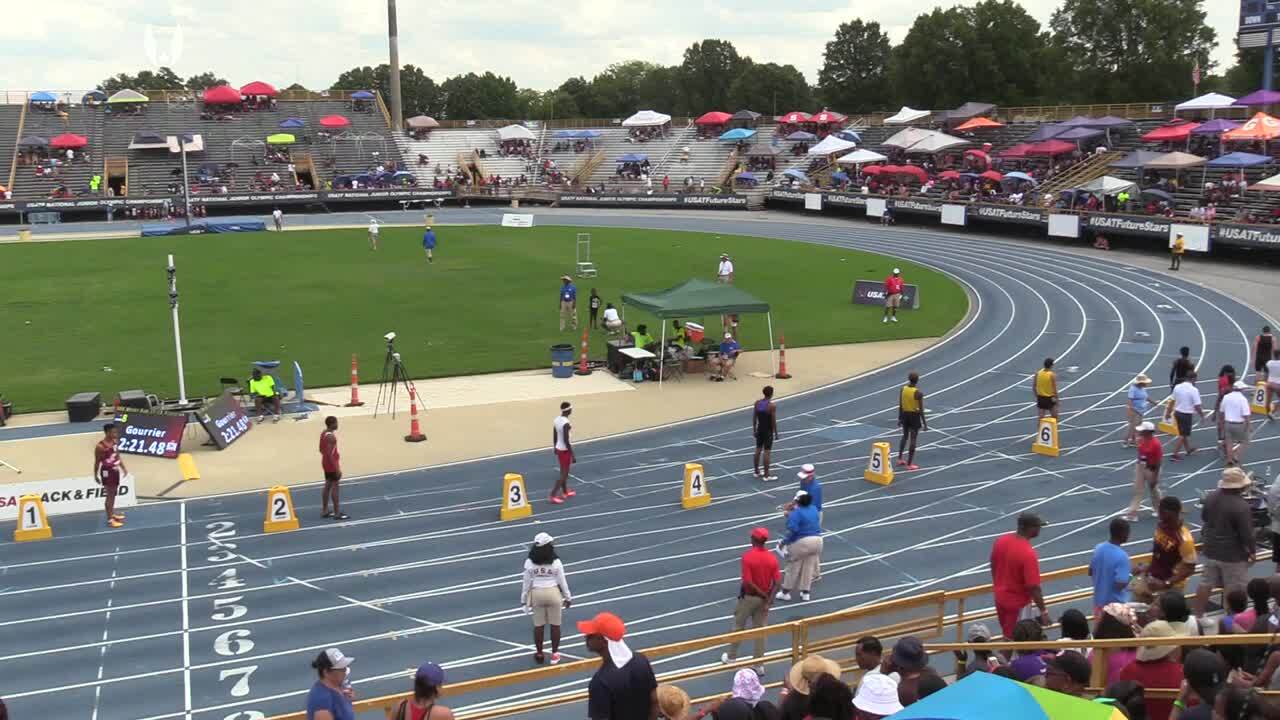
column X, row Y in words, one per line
column 431, row 673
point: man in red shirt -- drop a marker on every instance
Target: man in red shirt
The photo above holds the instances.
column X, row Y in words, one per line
column 761, row 578
column 1015, row 573
column 1147, row 473
column 892, row 295
column 108, row 468
column 330, row 463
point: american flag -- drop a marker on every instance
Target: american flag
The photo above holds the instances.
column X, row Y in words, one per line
column 1195, row 72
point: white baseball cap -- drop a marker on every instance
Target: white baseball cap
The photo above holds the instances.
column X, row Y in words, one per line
column 1146, row 427
column 728, row 336
column 543, row 539
column 337, row 660
column 1241, row 385
column 806, row 471
column 896, row 271
column 801, row 493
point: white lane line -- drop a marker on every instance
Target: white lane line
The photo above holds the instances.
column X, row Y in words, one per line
column 102, row 652
column 186, row 615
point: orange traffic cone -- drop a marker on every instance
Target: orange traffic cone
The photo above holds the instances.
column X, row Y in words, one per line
column 355, row 384
column 582, row 364
column 782, row 359
column 415, row 430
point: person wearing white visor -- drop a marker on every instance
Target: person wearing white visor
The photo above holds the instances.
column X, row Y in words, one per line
column 545, row 594
column 330, row 698
column 1236, row 413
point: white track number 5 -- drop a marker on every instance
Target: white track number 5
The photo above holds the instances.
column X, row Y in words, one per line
column 241, row 688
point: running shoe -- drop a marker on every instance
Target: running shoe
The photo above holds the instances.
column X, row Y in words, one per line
column 756, row 474
column 556, row 500
column 724, row 658
column 885, row 320
column 1176, row 457
column 570, row 493
column 770, row 478
column 555, row 658
column 538, row 658
column 804, row 596
column 341, row 516
column 902, row 463
column 913, row 466
column 894, row 318
column 118, row 516
column 328, row 514
column 114, row 523
column 783, row 595
column 275, row 419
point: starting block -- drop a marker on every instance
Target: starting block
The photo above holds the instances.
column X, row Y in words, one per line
column 1046, row 442
column 1258, row 401
column 33, row 523
column 187, row 466
column 515, row 499
column 694, row 494
column 879, row 468
column 1166, row 424
column 280, row 516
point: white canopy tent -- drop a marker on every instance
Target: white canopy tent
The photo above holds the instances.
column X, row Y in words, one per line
column 1107, row 185
column 860, row 157
column 906, row 138
column 906, row 115
column 1210, row 102
column 1271, row 184
column 515, row 132
column 937, row 142
column 831, row 145
column 647, row 118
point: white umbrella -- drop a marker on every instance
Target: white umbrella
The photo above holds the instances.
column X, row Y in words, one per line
column 1107, row 185
column 907, row 138
column 937, row 142
column 906, row 115
column 515, row 132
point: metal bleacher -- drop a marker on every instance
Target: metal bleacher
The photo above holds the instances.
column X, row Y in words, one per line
column 10, row 119
column 86, row 121
column 444, row 147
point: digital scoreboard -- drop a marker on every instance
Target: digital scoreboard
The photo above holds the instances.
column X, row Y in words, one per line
column 1256, row 17
column 154, row 434
column 225, row 420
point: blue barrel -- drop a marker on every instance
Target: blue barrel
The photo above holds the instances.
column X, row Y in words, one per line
column 562, row 361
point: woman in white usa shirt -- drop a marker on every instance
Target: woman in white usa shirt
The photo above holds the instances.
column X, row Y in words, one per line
column 545, row 593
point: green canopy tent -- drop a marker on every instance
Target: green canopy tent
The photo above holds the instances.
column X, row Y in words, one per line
column 694, row 298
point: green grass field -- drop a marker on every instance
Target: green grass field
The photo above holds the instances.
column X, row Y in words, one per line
column 487, row 304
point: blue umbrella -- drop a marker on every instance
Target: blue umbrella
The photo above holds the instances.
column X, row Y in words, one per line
column 564, row 134
column 1020, row 176
column 362, row 95
column 849, row 135
column 798, row 175
column 800, row 135
column 44, row 96
column 737, row 135
column 840, row 176
column 293, row 123
column 633, row 158
column 746, row 177
column 1241, row 159
column 94, row 96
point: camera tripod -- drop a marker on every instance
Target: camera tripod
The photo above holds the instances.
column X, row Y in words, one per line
column 393, row 376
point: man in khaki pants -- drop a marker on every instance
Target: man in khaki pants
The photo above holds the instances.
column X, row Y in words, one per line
column 1147, row 470
column 568, row 301
column 761, row 577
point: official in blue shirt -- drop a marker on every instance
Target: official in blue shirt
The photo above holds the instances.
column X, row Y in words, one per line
column 803, row 547
column 1110, row 567
column 429, row 242
column 568, row 301
column 729, row 349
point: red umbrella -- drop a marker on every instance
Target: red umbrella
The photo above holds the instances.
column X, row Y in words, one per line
column 828, row 117
column 1169, row 133
column 992, row 175
column 334, row 121
column 795, row 117
column 912, row 171
column 68, row 141
column 873, row 169
column 1017, row 151
column 948, row 175
column 257, row 87
column 1050, row 148
column 222, row 95
column 715, row 117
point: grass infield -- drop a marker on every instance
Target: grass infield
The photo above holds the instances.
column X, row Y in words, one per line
column 71, row 310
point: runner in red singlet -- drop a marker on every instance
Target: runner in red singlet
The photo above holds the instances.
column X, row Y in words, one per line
column 108, row 468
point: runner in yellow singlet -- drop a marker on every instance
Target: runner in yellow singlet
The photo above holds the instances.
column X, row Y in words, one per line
column 1046, row 390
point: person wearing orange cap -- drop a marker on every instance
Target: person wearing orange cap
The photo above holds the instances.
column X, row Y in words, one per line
column 624, row 687
column 761, row 577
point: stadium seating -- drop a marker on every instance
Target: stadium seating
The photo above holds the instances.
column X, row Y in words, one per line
column 81, row 121
column 10, row 117
column 446, row 148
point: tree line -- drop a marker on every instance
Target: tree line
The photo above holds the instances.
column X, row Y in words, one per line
column 1093, row 51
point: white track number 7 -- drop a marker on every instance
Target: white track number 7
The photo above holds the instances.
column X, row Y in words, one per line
column 241, row 688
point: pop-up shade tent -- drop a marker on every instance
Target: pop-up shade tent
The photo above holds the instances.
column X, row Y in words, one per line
column 860, row 157
column 747, row 115
column 695, row 298
column 1210, row 101
column 362, row 95
column 715, row 117
column 127, row 96
column 292, row 123
column 1170, row 133
column 149, row 140
column 281, row 139
column 763, row 150
column 801, row 136
column 647, row 118
column 830, row 145
column 1136, row 159
column 936, row 142
column 1241, row 159
column 1107, row 185
column 257, row 87
column 222, row 95
column 1176, row 161
column 737, row 135
column 68, row 141
column 33, row 141
column 94, row 96
column 334, row 121
column 968, row 110
column 1259, row 97
column 1216, row 127
column 633, row 158
column 1259, row 127
column 421, row 122
column 979, row 123
column 515, row 132
column 906, row 115
column 906, row 138
column 44, row 97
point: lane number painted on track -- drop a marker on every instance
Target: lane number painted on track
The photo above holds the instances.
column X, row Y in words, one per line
column 235, row 642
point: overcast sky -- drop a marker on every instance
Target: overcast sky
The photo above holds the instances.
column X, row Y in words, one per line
column 538, row 44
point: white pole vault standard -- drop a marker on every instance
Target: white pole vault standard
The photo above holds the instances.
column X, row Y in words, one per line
column 773, row 359
column 177, row 331
column 662, row 352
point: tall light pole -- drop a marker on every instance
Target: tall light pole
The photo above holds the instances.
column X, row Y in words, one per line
column 177, row 333
column 393, row 39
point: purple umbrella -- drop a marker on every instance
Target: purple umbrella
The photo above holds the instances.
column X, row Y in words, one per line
column 1215, row 127
column 1047, row 132
column 1259, row 97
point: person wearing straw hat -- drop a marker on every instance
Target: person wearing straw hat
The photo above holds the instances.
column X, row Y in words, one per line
column 1156, row 667
column 724, row 273
column 798, row 683
column 1146, row 474
column 624, row 687
column 1136, row 405
column 803, row 547
column 673, row 702
column 877, row 698
column 545, row 593
column 1235, row 415
column 1230, row 546
column 761, row 578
